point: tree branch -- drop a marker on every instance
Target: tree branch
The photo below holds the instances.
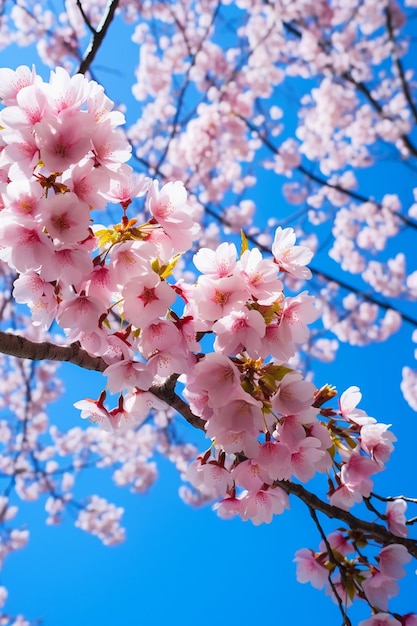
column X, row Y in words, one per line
column 166, row 393
column 20, row 347
column 377, row 532
column 98, row 36
column 399, row 66
column 85, row 18
column 360, row 86
column 322, row 181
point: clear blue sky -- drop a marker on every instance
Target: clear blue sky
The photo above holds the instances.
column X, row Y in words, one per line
column 184, row 566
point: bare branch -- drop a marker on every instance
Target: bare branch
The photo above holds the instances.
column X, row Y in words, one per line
column 85, row 18
column 346, row 620
column 98, row 36
column 18, row 346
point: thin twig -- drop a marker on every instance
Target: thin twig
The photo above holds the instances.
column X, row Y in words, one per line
column 98, row 36
column 346, row 620
column 85, row 18
column 399, row 66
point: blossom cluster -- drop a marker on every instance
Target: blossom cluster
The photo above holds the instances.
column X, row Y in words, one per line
column 113, row 290
column 376, row 584
column 228, row 336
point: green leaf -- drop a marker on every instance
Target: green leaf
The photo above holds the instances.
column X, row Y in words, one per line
column 278, row 371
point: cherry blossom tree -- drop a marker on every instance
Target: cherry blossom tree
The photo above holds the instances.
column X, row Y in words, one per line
column 137, row 250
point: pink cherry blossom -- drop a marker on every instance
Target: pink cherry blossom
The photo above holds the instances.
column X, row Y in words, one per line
column 305, row 458
column 66, row 218
column 337, row 542
column 169, row 207
column 210, row 478
column 94, row 412
column 20, row 154
column 217, row 377
column 289, row 257
column 247, row 475
column 216, row 263
column 293, row 395
column 22, row 199
column 31, row 106
column 348, row 402
column 130, row 260
column 357, row 469
column 380, row 619
column 273, row 460
column 67, row 92
column 13, row 81
column 109, row 145
column 392, row 558
column 88, row 182
column 125, row 292
column 239, row 331
column 146, row 299
column 27, row 248
column 97, row 283
column 260, row 506
column 289, row 328
column 63, row 141
column 228, row 507
column 216, row 298
column 377, row 441
column 102, row 519
column 379, row 589
column 309, row 569
column 159, row 336
column 260, row 276
column 80, row 313
column 127, row 375
column 125, row 185
column 395, row 514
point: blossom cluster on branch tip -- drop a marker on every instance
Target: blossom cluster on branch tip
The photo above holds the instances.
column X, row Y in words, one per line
column 228, row 336
column 342, row 550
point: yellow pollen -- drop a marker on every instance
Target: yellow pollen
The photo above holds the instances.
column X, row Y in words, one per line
column 222, row 297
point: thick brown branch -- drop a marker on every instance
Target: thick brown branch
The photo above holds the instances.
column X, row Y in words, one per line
column 20, row 347
column 166, row 393
column 98, row 37
column 376, row 531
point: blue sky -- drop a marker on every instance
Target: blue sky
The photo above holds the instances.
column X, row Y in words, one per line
column 185, row 566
